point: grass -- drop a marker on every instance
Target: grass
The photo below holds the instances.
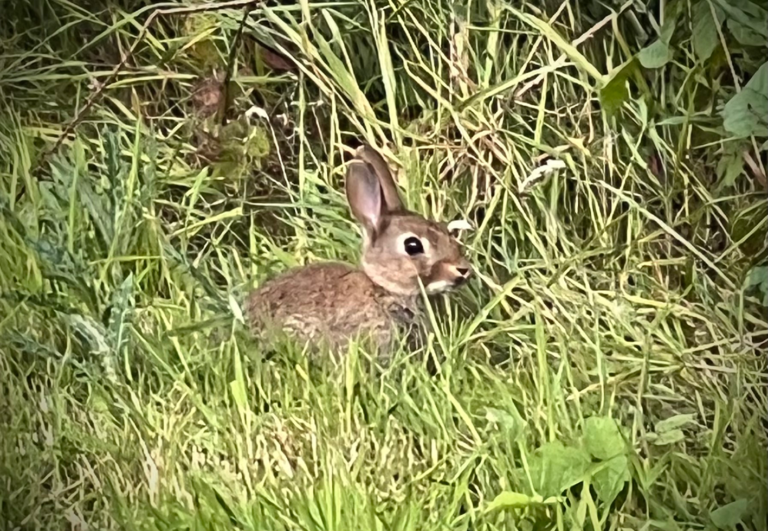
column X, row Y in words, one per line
column 606, row 368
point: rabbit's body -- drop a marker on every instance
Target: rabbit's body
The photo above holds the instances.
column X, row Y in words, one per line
column 300, row 302
column 402, row 251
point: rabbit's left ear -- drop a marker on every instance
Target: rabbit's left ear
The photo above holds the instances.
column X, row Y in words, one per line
column 392, row 200
column 365, row 197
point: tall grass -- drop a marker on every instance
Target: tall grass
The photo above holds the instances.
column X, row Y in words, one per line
column 606, row 368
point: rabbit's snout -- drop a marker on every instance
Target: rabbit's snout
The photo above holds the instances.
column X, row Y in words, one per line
column 447, row 276
column 462, row 273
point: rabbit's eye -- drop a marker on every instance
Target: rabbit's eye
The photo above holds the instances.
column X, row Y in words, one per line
column 413, row 246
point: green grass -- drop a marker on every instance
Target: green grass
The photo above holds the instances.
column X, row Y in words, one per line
column 605, row 369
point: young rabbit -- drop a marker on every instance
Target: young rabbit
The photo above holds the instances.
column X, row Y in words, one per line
column 336, row 302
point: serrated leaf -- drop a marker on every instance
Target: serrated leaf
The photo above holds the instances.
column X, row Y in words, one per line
column 609, row 481
column 555, row 467
column 120, row 317
column 727, row 516
column 746, row 114
column 62, row 170
column 602, row 438
column 115, row 169
column 92, row 332
column 705, row 35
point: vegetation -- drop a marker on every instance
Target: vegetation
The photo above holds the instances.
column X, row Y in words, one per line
column 605, row 369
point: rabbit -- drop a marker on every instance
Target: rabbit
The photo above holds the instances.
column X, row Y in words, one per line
column 336, row 302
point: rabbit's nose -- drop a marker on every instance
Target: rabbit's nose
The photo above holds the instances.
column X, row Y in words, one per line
column 463, row 272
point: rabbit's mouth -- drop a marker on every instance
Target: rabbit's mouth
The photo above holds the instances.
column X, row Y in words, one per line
column 443, row 286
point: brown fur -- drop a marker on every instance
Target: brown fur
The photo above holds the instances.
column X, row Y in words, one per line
column 334, row 302
column 300, row 302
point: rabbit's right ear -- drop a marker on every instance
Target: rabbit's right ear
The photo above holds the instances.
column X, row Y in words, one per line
column 364, row 197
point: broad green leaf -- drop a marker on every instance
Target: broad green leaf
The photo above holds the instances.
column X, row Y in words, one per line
column 745, row 18
column 746, row 114
column 727, row 516
column 744, row 34
column 705, row 35
column 758, row 276
column 674, row 422
column 615, row 92
column 669, row 437
column 555, row 467
column 610, row 480
column 602, row 438
column 668, row 28
column 655, row 55
column 752, row 10
column 659, row 53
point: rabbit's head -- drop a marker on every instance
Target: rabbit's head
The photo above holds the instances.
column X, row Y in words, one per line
column 400, row 247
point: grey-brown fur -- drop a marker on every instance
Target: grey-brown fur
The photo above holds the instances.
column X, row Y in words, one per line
column 300, row 303
column 335, row 302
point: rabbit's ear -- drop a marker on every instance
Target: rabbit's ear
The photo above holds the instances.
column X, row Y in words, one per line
column 364, row 197
column 388, row 187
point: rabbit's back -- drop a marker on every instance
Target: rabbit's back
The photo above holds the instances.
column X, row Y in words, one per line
column 326, row 301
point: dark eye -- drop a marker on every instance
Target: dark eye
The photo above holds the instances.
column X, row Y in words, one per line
column 413, row 246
